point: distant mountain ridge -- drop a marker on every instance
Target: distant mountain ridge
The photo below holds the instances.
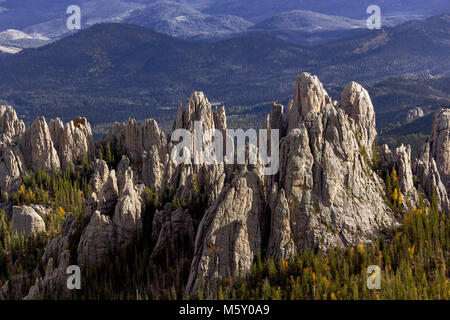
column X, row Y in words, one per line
column 306, row 27
column 215, row 20
column 259, row 10
column 182, row 21
column 306, row 20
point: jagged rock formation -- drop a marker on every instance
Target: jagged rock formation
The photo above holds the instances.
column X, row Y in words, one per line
column 356, row 103
column 26, row 221
column 325, row 193
column 198, row 109
column 414, row 114
column 229, row 235
column 74, row 141
column 12, row 163
column 400, row 159
column 309, row 96
column 12, row 168
column 54, row 279
column 210, row 178
column 97, row 239
column 115, row 220
column 41, row 146
column 134, row 138
column 10, row 125
column 280, row 246
column 127, row 215
column 432, row 168
column 173, row 234
column 105, row 189
column 145, row 145
column 440, row 144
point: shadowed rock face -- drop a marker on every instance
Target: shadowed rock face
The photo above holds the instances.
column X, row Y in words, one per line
column 114, row 219
column 432, row 167
column 229, row 235
column 73, row 142
column 440, row 144
column 400, row 159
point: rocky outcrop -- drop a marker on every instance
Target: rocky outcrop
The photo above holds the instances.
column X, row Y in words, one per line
column 173, row 234
column 280, row 247
column 324, row 195
column 12, row 163
column 97, row 239
column 432, row 167
column 145, row 145
column 229, row 236
column 429, row 179
column 440, row 144
column 26, row 221
column 10, row 126
column 356, row 102
column 153, row 168
column 309, row 96
column 127, row 215
column 99, row 176
column 414, row 114
column 133, row 138
column 327, row 193
column 74, row 141
column 198, row 108
column 37, row 147
column 12, row 168
column 105, row 189
column 53, row 281
column 220, row 119
column 206, row 178
column 111, row 226
column 400, row 159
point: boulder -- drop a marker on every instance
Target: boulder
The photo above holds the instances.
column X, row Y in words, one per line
column 26, row 221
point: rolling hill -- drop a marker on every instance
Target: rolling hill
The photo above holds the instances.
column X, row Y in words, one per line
column 183, row 21
column 307, row 27
column 259, row 10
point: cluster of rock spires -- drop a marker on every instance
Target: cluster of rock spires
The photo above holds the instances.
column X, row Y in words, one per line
column 46, row 147
column 325, row 193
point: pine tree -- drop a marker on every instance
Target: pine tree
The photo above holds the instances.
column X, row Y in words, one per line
column 108, row 155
